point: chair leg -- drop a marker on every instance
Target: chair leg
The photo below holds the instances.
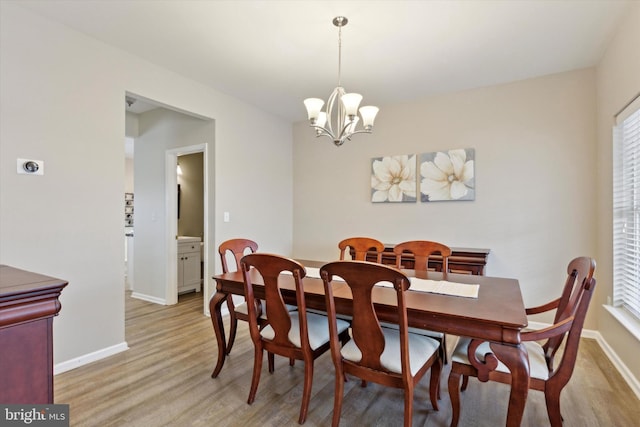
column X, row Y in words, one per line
column 434, row 383
column 465, row 382
column 233, row 323
column 338, row 394
column 255, row 379
column 454, row 396
column 306, row 391
column 292, row 361
column 408, row 405
column 270, row 361
column 443, row 349
column 553, row 408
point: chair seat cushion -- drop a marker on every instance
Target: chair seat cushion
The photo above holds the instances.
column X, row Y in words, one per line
column 537, row 364
column 317, row 325
column 242, row 308
column 421, row 348
column 324, row 313
column 433, row 334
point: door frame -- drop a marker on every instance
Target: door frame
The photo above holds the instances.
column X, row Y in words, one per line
column 171, row 207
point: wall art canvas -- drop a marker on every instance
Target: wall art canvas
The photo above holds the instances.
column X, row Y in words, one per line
column 393, row 179
column 448, row 175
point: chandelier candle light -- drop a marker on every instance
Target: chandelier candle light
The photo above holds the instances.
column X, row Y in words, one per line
column 340, row 119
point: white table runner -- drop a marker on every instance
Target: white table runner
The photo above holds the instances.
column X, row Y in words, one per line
column 442, row 287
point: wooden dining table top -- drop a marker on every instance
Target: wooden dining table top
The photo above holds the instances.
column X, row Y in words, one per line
column 498, row 307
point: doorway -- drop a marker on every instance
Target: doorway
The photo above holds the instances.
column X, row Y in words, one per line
column 190, row 215
column 187, row 230
column 161, row 135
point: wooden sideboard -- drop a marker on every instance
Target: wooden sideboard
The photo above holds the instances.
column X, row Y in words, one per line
column 462, row 260
column 28, row 302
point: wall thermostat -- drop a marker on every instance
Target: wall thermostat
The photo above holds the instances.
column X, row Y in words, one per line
column 30, row 167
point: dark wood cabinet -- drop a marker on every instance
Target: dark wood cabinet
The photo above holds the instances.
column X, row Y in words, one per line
column 462, row 260
column 28, row 302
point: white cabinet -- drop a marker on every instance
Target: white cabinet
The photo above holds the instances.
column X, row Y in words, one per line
column 188, row 264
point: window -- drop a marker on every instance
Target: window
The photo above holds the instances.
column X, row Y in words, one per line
column 626, row 210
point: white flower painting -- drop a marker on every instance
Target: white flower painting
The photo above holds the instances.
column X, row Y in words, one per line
column 393, row 179
column 447, row 175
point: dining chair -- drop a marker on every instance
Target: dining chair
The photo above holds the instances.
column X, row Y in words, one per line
column 394, row 358
column 571, row 309
column 360, row 246
column 421, row 250
column 238, row 248
column 293, row 334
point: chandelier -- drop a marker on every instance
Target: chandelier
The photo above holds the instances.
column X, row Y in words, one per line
column 340, row 118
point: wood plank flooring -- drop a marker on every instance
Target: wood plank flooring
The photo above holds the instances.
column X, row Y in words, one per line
column 164, row 380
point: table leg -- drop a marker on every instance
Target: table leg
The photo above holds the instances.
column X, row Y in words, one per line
column 215, row 307
column 517, row 360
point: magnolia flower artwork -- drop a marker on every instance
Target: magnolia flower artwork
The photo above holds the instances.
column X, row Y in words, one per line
column 447, row 175
column 393, row 179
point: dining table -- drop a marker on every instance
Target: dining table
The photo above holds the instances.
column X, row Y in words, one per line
column 496, row 315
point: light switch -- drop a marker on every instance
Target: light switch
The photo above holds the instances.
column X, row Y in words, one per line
column 226, row 217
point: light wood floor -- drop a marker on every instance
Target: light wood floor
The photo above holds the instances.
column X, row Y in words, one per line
column 164, row 380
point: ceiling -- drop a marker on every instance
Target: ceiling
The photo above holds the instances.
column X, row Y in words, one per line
column 273, row 54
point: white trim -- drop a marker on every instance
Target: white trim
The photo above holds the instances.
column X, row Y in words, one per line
column 628, row 109
column 89, row 358
column 206, row 277
column 627, row 320
column 224, row 309
column 538, row 325
column 171, row 233
column 586, row 333
column 627, row 375
column 148, row 298
column 624, row 371
column 171, row 206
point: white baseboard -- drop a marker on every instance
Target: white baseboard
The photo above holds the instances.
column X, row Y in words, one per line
column 149, row 298
column 628, row 376
column 110, row 351
column 624, row 371
column 224, row 310
column 88, row 358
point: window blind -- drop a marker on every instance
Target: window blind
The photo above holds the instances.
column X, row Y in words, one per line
column 626, row 209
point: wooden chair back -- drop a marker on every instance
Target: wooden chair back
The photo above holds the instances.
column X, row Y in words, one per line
column 571, row 308
column 421, row 250
column 270, row 266
column 285, row 325
column 361, row 245
column 361, row 277
column 560, row 376
column 238, row 247
column 365, row 356
column 579, row 271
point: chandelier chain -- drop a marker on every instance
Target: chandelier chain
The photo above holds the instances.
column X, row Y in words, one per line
column 340, row 55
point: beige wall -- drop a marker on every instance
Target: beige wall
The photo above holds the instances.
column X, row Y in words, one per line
column 161, row 130
column 534, row 144
column 62, row 101
column 191, row 182
column 543, row 177
column 128, row 175
column 618, row 81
